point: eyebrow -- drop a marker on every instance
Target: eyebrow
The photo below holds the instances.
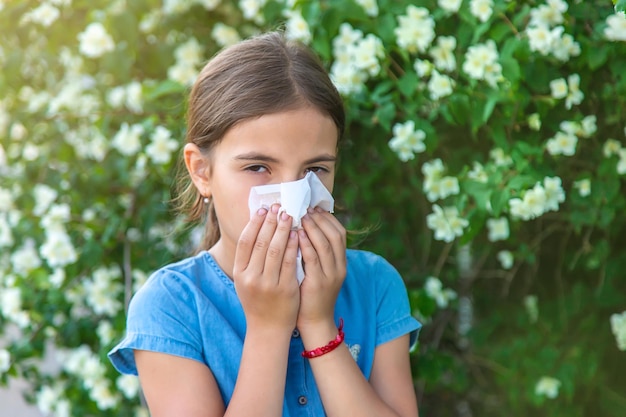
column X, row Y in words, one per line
column 255, row 156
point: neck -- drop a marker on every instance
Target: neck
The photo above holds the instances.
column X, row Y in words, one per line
column 224, row 257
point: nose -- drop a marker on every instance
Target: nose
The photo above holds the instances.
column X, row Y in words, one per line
column 292, row 175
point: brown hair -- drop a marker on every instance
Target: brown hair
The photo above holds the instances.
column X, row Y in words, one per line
column 262, row 75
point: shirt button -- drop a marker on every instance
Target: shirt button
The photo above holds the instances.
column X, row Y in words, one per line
column 302, row 400
column 295, row 333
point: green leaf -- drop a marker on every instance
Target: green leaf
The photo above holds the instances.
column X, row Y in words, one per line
column 597, row 56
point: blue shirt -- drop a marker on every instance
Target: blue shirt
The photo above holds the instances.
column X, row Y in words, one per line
column 190, row 309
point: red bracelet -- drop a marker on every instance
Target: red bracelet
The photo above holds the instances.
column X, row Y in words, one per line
column 332, row 345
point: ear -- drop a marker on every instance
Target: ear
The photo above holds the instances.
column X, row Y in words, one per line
column 199, row 167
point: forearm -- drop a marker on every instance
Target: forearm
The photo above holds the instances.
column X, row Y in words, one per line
column 260, row 387
column 342, row 386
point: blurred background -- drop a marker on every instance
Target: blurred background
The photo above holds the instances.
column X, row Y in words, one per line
column 485, row 158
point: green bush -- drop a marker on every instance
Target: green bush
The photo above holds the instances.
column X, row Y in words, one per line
column 485, row 151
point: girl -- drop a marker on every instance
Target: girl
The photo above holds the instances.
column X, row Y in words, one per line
column 229, row 332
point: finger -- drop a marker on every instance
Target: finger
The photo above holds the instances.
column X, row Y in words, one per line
column 312, row 265
column 276, row 250
column 247, row 239
column 288, row 268
column 320, row 241
column 263, row 239
column 333, row 230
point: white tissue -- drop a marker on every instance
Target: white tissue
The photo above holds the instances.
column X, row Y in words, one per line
column 295, row 198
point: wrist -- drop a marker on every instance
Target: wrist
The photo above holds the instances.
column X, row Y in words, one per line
column 315, row 335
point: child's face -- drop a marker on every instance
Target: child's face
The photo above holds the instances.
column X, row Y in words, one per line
column 271, row 149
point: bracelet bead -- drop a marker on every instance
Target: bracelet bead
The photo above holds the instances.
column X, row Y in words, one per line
column 332, row 345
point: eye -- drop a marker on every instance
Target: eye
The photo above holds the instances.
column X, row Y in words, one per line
column 256, row 168
column 317, row 169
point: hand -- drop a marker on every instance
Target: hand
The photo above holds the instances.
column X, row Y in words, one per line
column 323, row 245
column 264, row 271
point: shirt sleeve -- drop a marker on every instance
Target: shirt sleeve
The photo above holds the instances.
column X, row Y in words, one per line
column 393, row 315
column 161, row 318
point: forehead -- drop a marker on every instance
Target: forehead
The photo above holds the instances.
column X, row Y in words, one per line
column 294, row 131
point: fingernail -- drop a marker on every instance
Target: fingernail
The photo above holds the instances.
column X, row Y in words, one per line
column 275, row 208
column 319, row 209
column 284, row 216
column 310, row 210
column 302, row 234
column 262, row 211
column 292, row 234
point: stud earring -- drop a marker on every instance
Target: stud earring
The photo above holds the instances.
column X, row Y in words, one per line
column 205, row 200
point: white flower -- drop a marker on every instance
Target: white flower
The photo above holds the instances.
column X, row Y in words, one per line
column 5, row 361
column 621, row 164
column 95, row 41
column 434, row 289
column 225, row 35
column 543, row 39
column 562, row 144
column 505, row 258
column 161, row 146
column 176, row 6
column 588, row 126
column 189, row 52
column 129, row 385
column 498, row 229
column 618, row 327
column 209, row 4
column 500, row 158
column 44, row 15
column 565, row 47
column 103, row 396
column 407, row 140
column 6, row 200
column 6, row 236
column 25, row 259
column 134, row 97
column 554, row 193
column 127, row 140
column 583, row 186
column 558, row 88
column 56, row 218
column 105, row 332
column 535, row 199
column 57, row 277
column 616, row 27
column 450, row 6
column 548, row 14
column 47, row 397
column 370, row 7
column 481, row 62
column 482, row 9
column 416, row 30
column 611, row 147
column 182, row 73
column 443, row 53
column 252, row 9
column 440, row 85
column 365, row 53
column 423, row 68
column 446, row 223
column 534, row 121
column 18, row 131
column 574, row 95
column 532, row 309
column 478, row 173
column 44, row 196
column 433, row 170
column 296, row 27
column 548, row 387
column 102, row 291
column 58, row 250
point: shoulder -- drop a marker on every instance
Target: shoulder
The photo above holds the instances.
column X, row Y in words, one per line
column 365, row 263
column 177, row 283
